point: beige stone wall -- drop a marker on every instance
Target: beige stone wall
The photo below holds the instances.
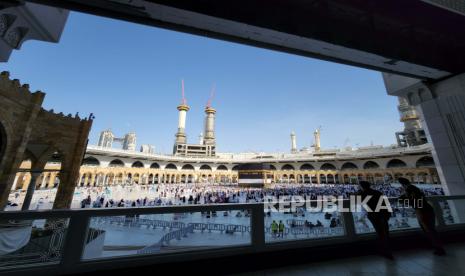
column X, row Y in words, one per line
column 35, row 134
column 18, row 110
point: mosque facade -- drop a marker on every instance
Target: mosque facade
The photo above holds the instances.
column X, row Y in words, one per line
column 105, row 164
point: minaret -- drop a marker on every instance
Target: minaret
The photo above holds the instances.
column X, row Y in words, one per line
column 293, row 143
column 183, row 108
column 209, row 138
column 316, row 135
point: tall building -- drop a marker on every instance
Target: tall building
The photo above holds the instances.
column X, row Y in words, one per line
column 129, row 142
column 147, row 149
column 106, row 139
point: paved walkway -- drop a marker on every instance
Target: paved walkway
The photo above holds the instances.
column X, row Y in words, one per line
column 410, row 262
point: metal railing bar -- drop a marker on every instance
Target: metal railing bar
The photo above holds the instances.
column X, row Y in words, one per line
column 118, row 211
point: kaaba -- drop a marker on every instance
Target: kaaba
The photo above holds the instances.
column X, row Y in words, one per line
column 254, row 175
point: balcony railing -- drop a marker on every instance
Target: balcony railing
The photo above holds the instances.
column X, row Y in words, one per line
column 80, row 240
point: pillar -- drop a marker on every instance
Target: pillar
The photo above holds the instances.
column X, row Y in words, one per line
column 30, row 190
column 14, row 183
column 441, row 107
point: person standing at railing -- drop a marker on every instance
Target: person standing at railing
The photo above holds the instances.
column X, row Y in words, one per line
column 274, row 229
column 379, row 219
column 281, row 229
column 415, row 198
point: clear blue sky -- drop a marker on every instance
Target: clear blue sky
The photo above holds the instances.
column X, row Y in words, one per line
column 130, row 75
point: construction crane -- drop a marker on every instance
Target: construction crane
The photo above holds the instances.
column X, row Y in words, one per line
column 183, row 99
column 212, row 94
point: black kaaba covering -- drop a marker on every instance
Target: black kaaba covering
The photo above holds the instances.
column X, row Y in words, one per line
column 254, row 167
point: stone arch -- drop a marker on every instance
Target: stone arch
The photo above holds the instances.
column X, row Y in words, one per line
column 171, row 166
column 396, row 163
column 272, row 168
column 287, row 167
column 187, row 167
column 137, row 164
column 205, row 167
column 90, row 161
column 222, row 168
column 136, row 178
column 306, row 167
column 328, row 167
column 119, row 178
column 370, row 165
column 154, row 166
column 116, row 163
column 235, row 168
column 425, row 162
column 349, row 166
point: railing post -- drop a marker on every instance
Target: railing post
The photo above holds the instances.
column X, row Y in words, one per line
column 258, row 226
column 349, row 223
column 438, row 212
column 75, row 240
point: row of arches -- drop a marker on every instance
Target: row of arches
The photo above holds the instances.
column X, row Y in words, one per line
column 52, row 179
column 354, row 178
column 117, row 163
column 109, row 179
column 424, row 162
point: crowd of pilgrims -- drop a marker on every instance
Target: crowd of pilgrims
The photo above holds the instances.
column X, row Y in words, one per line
column 184, row 194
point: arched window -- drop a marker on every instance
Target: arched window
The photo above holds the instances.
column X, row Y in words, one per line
column 205, row 167
column 349, row 166
column 235, row 168
column 116, row 163
column 287, row 167
column 90, row 161
column 171, row 167
column 187, row 167
column 222, row 168
column 272, row 168
column 370, row 165
column 306, row 167
column 154, row 166
column 137, row 164
column 396, row 163
column 425, row 162
column 328, row 167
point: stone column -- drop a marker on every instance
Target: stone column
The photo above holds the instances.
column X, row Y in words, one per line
column 30, row 190
column 441, row 107
column 92, row 180
column 14, row 182
column 44, row 176
column 51, row 181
